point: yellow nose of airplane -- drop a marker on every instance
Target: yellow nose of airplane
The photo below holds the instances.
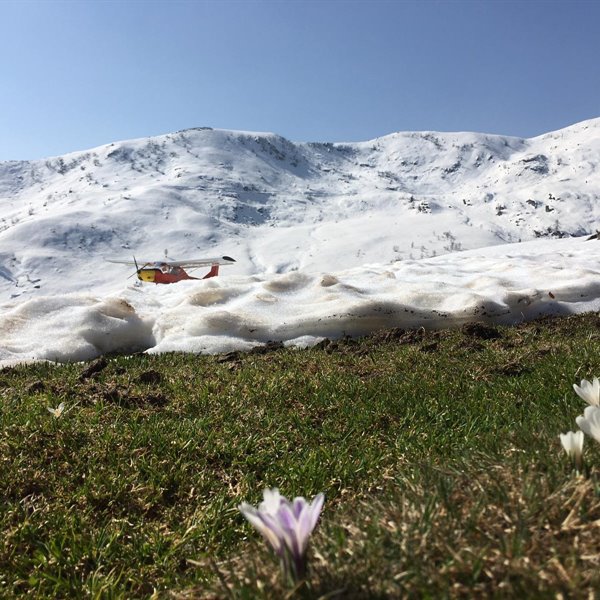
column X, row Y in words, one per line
column 146, row 275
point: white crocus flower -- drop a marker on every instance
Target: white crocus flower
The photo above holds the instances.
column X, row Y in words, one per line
column 589, row 422
column 590, row 392
column 572, row 442
column 286, row 526
column 57, row 412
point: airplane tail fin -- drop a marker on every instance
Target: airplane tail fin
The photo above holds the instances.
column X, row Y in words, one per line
column 214, row 271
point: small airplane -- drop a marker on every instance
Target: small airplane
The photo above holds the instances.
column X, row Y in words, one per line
column 172, row 271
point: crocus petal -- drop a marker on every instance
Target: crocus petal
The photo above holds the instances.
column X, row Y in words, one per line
column 578, row 438
column 276, row 528
column 315, row 509
column 308, row 519
column 289, row 527
column 298, row 506
column 286, row 516
column 264, row 525
column 565, row 440
column 572, row 442
column 271, row 502
column 590, row 392
column 589, row 423
column 305, row 528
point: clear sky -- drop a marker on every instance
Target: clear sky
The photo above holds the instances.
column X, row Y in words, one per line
column 81, row 73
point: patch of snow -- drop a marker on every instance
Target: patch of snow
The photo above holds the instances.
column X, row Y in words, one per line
column 504, row 284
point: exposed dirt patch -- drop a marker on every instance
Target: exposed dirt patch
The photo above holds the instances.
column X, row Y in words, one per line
column 124, row 398
column 512, row 369
column 268, row 347
column 36, row 387
column 151, row 377
column 400, row 336
column 480, row 331
column 94, row 368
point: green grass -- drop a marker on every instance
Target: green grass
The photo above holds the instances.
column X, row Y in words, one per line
column 438, row 454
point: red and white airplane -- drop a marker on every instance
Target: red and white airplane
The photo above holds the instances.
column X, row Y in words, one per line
column 172, row 271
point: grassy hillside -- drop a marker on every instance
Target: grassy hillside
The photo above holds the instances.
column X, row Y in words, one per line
column 438, row 454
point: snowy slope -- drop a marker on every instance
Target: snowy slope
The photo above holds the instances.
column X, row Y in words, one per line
column 278, row 206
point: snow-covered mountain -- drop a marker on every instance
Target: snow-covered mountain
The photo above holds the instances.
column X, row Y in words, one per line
column 278, row 206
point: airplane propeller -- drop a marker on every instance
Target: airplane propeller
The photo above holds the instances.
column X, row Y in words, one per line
column 137, row 269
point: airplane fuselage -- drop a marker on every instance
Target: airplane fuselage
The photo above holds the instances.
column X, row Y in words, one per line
column 165, row 273
column 172, row 271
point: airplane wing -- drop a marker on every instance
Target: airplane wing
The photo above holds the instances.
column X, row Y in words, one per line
column 202, row 262
column 196, row 262
column 130, row 262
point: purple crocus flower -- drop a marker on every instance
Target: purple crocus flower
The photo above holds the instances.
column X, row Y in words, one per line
column 286, row 526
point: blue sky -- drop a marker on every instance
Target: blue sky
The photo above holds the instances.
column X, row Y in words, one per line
column 79, row 74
